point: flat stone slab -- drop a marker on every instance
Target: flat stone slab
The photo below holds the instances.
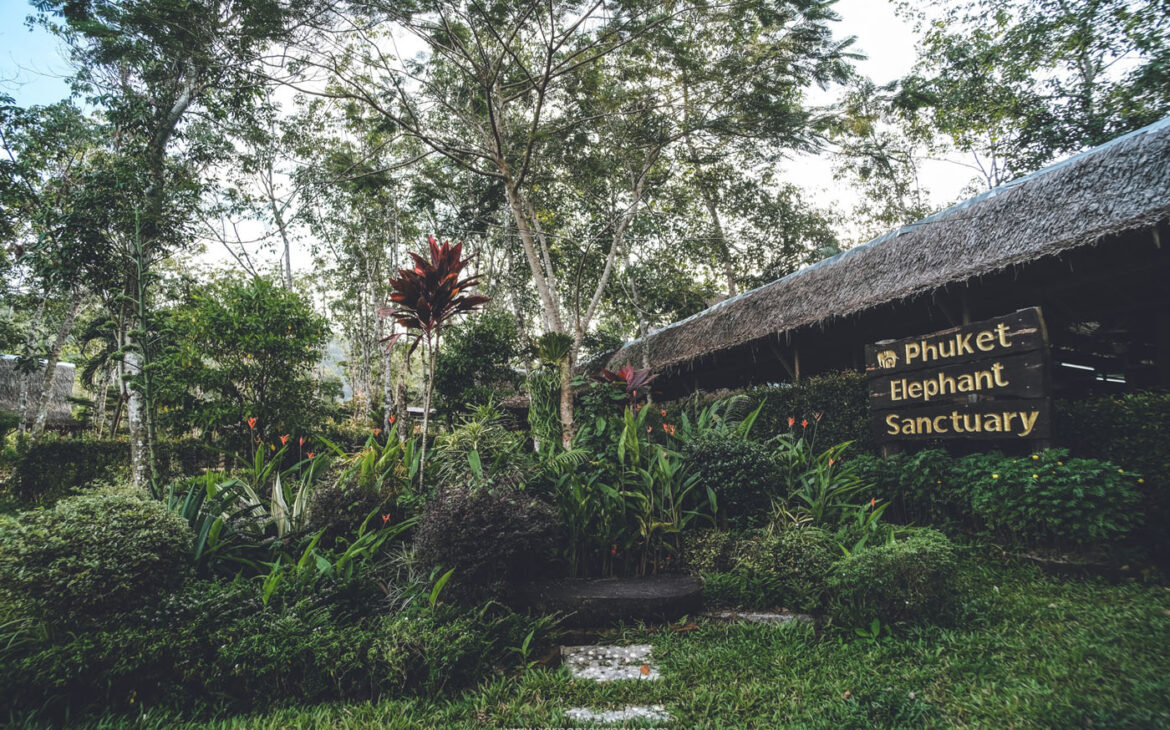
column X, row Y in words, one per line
column 759, row 617
column 600, row 602
column 651, row 713
column 610, row 663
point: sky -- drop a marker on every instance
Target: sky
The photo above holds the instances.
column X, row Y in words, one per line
column 33, row 70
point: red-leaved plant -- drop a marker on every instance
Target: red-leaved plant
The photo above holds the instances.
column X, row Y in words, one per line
column 425, row 300
column 630, row 379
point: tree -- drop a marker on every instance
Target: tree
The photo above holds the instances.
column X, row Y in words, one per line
column 149, row 64
column 1016, row 83
column 426, row 301
column 237, row 349
column 478, row 363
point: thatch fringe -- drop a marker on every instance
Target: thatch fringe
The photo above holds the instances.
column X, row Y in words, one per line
column 1120, row 186
column 60, row 409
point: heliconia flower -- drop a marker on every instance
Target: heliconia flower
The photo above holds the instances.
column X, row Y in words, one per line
column 284, row 439
column 311, row 454
column 385, row 519
column 377, row 432
column 393, row 419
column 649, row 429
column 872, row 502
column 818, row 415
column 301, row 441
column 804, row 423
column 831, row 461
column 791, row 421
column 662, row 412
column 252, row 422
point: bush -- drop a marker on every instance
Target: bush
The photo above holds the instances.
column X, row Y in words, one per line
column 489, row 538
column 339, row 511
column 214, row 646
column 918, row 486
column 51, row 469
column 1048, row 498
column 742, row 473
column 841, row 398
column 92, row 554
column 763, row 570
column 794, row 562
column 905, row 580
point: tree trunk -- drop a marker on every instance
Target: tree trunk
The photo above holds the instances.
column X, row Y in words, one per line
column 136, row 422
column 432, row 350
column 45, row 397
column 103, row 395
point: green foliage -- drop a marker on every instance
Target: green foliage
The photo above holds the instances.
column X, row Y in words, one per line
column 8, row 422
column 1050, row 499
column 544, row 394
column 787, row 568
column 742, row 473
column 840, row 398
column 51, row 469
column 820, row 485
column 476, row 364
column 238, row 350
column 903, row 580
column 918, row 487
column 481, row 453
column 92, row 554
column 336, row 511
column 795, row 564
column 490, row 538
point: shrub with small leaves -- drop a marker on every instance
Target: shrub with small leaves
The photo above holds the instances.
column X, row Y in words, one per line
column 490, row 539
column 93, row 554
column 797, row 561
column 742, row 473
column 904, row 580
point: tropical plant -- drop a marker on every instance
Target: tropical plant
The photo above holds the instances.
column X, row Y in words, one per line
column 218, row 514
column 730, row 418
column 630, row 380
column 480, row 452
column 426, row 300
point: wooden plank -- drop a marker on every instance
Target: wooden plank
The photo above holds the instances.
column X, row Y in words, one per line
column 1005, row 420
column 1020, row 376
column 1012, row 334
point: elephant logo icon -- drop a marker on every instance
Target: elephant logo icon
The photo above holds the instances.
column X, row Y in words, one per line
column 887, row 359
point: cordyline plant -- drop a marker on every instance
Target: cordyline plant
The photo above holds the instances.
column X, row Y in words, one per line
column 426, row 299
column 630, row 379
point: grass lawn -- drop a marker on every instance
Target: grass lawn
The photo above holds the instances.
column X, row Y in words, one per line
column 1023, row 650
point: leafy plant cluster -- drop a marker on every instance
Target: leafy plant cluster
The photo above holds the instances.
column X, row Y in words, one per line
column 1046, row 499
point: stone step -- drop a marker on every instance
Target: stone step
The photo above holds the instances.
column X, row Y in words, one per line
column 610, row 663
column 649, row 713
column 757, row 617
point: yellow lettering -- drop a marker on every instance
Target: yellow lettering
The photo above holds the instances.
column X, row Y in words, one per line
column 908, row 427
column 985, row 341
column 966, row 383
column 892, row 424
column 992, row 423
column 940, row 428
column 912, row 351
column 922, row 424
column 914, row 390
column 983, row 376
column 997, row 368
column 1001, row 328
column 1029, row 421
column 894, row 389
column 955, row 422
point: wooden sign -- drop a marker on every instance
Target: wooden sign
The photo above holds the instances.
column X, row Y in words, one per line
column 999, row 419
column 1013, row 334
column 1019, row 376
column 986, row 380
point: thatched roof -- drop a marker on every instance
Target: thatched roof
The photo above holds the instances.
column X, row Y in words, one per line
column 60, row 410
column 1120, row 186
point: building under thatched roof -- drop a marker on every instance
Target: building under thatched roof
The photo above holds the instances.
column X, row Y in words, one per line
column 1083, row 239
column 60, row 413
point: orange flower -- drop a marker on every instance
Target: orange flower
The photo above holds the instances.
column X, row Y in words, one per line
column 377, row 432
column 831, row 461
column 872, row 502
column 791, row 421
column 301, row 441
column 662, row 412
column 649, row 429
column 804, row 423
column 252, row 422
column 284, row 439
column 311, row 454
column 385, row 519
column 393, row 419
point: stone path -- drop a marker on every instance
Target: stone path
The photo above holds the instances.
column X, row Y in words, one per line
column 636, row 663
